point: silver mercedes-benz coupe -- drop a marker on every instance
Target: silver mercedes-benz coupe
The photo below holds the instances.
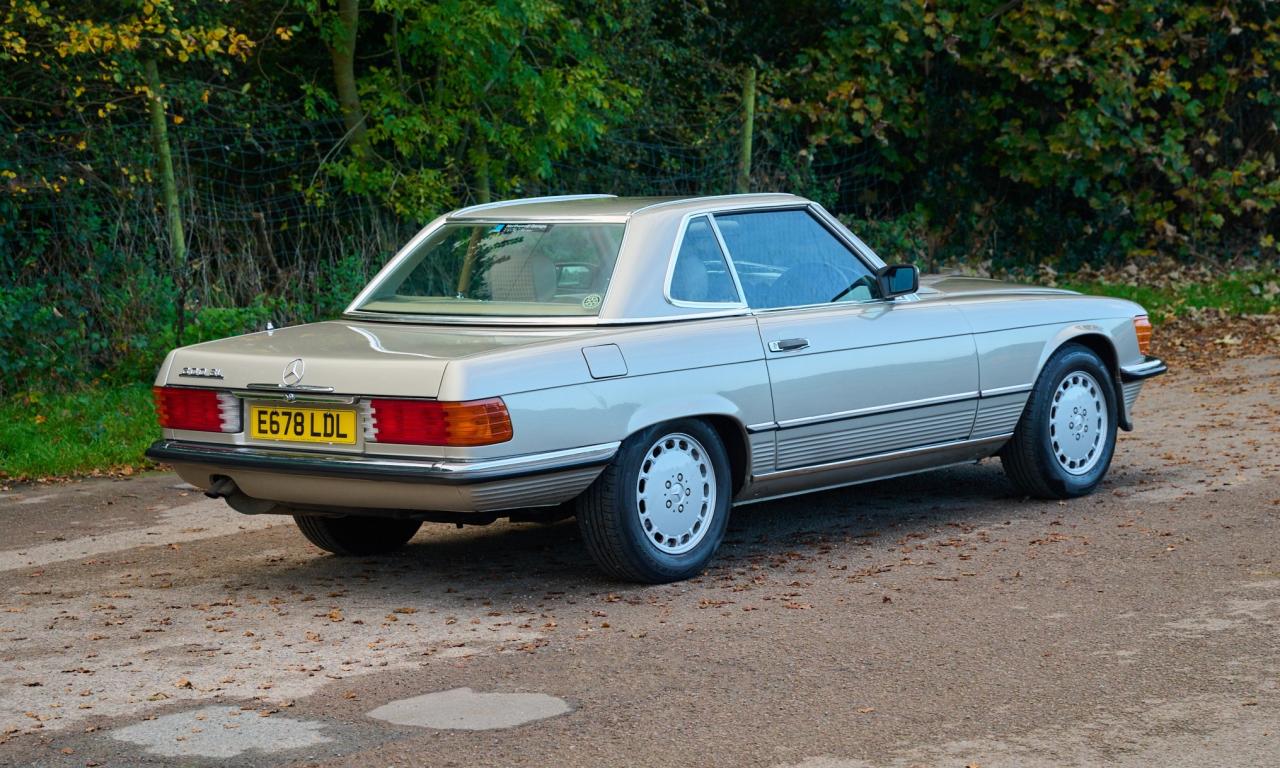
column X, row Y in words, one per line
column 644, row 364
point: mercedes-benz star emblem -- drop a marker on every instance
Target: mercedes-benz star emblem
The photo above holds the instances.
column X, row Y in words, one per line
column 293, row 372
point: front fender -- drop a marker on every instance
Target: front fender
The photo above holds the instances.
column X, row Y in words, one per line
column 1114, row 341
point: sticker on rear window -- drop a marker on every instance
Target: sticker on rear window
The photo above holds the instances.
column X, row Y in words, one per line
column 591, row 302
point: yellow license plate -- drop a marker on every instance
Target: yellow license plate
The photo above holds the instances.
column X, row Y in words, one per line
column 302, row 424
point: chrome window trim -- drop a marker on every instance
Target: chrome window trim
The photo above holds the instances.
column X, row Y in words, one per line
column 681, row 231
column 857, row 249
column 394, row 262
column 717, row 207
column 724, row 249
column 850, row 239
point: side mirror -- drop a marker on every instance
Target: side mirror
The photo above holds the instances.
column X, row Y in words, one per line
column 898, row 280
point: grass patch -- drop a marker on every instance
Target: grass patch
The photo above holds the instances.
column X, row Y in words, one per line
column 100, row 428
column 1237, row 294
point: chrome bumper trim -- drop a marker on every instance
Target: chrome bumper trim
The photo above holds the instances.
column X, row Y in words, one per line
column 374, row 468
column 1150, row 366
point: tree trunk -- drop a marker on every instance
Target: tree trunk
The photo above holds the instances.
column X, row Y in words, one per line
column 169, row 190
column 743, row 182
column 342, row 50
column 484, row 189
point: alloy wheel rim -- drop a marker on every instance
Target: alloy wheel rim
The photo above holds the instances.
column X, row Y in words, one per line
column 1078, row 422
column 676, row 493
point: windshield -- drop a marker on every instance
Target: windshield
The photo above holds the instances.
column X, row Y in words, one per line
column 531, row 270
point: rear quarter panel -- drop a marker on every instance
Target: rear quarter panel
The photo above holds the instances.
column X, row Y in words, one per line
column 676, row 369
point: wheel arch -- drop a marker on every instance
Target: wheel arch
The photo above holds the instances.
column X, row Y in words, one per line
column 727, row 426
column 1101, row 345
column 733, row 434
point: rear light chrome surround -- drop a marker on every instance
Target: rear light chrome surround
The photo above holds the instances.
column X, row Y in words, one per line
column 368, row 420
column 231, row 412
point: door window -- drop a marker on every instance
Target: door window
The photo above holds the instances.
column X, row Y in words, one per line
column 789, row 259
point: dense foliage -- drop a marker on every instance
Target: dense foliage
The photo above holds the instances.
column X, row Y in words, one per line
column 309, row 137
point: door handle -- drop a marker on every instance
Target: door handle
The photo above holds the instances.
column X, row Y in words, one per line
column 788, row 345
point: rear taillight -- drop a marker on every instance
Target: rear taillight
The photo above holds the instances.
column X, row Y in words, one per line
column 432, row 422
column 1142, row 327
column 201, row 410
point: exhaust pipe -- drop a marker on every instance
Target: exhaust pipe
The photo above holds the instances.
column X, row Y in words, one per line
column 225, row 488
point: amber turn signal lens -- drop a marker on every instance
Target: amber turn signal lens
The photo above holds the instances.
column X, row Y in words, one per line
column 1142, row 327
column 432, row 422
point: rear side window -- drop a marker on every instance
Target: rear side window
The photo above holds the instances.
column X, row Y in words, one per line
column 701, row 273
column 788, row 259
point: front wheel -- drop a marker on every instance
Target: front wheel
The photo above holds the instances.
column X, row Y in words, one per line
column 659, row 511
column 1064, row 441
column 357, row 534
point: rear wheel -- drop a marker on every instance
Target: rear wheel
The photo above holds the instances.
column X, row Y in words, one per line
column 357, row 534
column 1063, row 444
column 659, row 511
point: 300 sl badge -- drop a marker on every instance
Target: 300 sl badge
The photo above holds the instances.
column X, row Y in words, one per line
column 201, row 373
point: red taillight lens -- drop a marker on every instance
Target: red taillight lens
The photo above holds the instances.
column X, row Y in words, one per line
column 202, row 410
column 431, row 422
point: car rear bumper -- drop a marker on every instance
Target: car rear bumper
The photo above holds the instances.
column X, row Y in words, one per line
column 317, row 479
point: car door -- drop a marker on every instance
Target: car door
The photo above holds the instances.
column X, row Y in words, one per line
column 851, row 375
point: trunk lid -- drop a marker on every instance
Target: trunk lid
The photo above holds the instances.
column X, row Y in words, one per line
column 353, row 358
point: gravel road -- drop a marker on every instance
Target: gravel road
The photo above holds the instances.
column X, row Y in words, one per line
column 934, row 620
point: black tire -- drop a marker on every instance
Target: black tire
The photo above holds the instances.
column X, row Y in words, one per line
column 356, row 534
column 1031, row 458
column 611, row 524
